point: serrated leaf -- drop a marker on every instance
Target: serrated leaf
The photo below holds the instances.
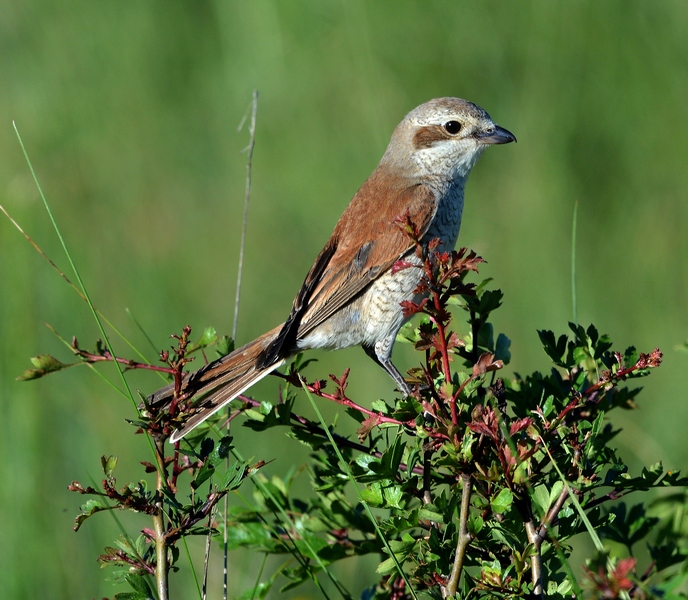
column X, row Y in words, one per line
column 380, row 406
column 90, row 508
column 248, row 535
column 393, row 496
column 219, row 452
column 139, row 585
column 555, row 349
column 475, row 524
column 224, row 346
column 391, row 459
column 366, row 460
column 373, row 494
column 209, row 336
column 234, row 476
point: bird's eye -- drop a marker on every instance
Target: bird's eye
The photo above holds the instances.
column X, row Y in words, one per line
column 452, row 127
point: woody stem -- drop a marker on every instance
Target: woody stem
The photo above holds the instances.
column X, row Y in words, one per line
column 464, row 538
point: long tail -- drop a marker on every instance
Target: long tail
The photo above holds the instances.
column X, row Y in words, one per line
column 221, row 381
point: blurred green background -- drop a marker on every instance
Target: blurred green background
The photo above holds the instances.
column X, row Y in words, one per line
column 129, row 112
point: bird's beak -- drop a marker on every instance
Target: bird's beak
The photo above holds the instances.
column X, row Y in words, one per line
column 495, row 135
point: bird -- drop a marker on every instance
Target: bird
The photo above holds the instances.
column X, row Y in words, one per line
column 351, row 296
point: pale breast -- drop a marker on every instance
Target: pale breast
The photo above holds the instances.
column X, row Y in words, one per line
column 377, row 313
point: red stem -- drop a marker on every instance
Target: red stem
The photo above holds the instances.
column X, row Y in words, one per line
column 443, row 344
column 613, row 377
column 455, row 399
column 132, row 364
column 341, row 399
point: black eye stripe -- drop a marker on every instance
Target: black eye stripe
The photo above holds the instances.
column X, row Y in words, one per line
column 452, row 127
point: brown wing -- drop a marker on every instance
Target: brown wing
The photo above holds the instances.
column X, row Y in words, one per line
column 365, row 244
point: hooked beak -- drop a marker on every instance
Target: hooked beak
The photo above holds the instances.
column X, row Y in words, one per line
column 495, row 135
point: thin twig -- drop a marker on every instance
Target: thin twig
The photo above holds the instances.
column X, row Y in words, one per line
column 553, row 513
column 427, row 477
column 536, row 535
column 247, row 198
column 206, row 560
column 443, row 337
column 340, row 398
column 455, row 399
column 535, row 557
column 242, row 245
column 574, row 288
column 314, row 429
column 91, row 358
column 161, row 564
column 449, row 590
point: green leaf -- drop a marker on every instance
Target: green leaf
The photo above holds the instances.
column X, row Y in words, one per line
column 249, row 535
column 380, row 406
column 139, row 585
column 225, row 345
column 630, row 525
column 521, row 473
column 218, row 453
column 430, row 513
column 254, row 415
column 502, row 501
column 401, row 549
column 368, row 463
column 234, row 476
column 393, row 496
column 475, row 524
column 90, row 508
column 209, row 336
column 391, row 459
column 540, row 496
column 44, row 364
column 387, row 567
column 548, row 406
column 489, row 301
column 555, row 349
column 555, row 492
column 502, row 349
column 373, row 494
column 109, row 463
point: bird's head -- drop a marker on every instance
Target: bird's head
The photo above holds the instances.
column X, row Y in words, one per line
column 443, row 138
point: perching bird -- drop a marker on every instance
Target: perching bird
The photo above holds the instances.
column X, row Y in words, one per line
column 350, row 296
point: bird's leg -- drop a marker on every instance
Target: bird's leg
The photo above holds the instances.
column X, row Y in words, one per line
column 385, row 362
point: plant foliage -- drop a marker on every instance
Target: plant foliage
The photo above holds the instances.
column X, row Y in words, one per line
column 474, row 486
